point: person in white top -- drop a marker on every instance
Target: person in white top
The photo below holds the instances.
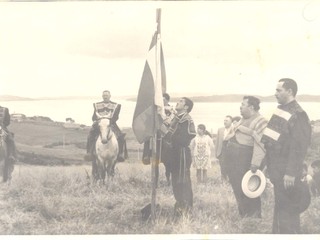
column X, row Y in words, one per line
column 202, row 149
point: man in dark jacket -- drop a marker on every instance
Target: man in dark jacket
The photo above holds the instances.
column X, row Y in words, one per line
column 110, row 110
column 178, row 138
column 4, row 123
column 286, row 139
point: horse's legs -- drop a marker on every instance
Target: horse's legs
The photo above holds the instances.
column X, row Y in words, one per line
column 95, row 173
column 110, row 171
column 6, row 170
column 102, row 172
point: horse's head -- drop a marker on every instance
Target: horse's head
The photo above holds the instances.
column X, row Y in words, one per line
column 105, row 130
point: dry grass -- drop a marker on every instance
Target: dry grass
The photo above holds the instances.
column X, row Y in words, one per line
column 61, row 200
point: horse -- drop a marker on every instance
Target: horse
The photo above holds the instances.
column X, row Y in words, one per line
column 6, row 167
column 107, row 150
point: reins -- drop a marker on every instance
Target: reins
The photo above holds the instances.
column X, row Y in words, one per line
column 109, row 136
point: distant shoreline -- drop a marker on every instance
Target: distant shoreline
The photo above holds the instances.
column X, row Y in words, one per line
column 195, row 98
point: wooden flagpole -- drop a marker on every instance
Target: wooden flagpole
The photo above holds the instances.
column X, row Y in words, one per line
column 154, row 160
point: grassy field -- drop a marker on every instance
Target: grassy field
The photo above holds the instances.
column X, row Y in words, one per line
column 59, row 199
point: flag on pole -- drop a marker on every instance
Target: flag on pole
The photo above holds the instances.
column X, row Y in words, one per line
column 149, row 109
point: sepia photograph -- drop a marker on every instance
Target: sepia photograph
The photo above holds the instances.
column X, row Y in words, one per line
column 160, row 119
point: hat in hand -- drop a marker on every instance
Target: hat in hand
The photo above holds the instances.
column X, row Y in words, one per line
column 253, row 184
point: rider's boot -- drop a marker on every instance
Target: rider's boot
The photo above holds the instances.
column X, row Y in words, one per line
column 121, row 142
column 89, row 156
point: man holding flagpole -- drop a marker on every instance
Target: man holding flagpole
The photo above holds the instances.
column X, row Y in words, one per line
column 181, row 132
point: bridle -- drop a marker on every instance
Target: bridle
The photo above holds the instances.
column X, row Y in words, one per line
column 109, row 133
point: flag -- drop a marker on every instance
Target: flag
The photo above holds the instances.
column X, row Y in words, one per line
column 149, row 109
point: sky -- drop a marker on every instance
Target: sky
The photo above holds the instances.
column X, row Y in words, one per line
column 52, row 49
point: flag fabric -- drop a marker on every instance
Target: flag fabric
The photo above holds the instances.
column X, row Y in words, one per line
column 149, row 109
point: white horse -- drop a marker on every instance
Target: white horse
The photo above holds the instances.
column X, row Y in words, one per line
column 107, row 150
column 6, row 168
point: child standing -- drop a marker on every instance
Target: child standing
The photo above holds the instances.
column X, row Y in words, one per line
column 202, row 148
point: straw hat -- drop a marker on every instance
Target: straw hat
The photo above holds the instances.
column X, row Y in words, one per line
column 253, row 184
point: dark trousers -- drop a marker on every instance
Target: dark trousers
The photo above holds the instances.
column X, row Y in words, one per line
column 285, row 221
column 238, row 159
column 181, row 180
column 222, row 162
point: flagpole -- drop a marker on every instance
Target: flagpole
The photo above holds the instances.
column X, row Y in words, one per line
column 154, row 161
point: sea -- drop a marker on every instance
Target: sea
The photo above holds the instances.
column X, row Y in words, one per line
column 211, row 114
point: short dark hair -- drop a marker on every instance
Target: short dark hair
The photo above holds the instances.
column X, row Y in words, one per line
column 289, row 83
column 106, row 91
column 229, row 116
column 253, row 101
column 202, row 126
column 166, row 96
column 189, row 103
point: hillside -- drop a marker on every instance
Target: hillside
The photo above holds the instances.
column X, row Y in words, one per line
column 49, row 143
column 14, row 98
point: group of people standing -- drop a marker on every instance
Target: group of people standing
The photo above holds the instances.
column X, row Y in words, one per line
column 245, row 144
column 250, row 144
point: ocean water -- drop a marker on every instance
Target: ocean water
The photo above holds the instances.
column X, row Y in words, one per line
column 210, row 114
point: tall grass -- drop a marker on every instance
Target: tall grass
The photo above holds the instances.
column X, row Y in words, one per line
column 61, row 200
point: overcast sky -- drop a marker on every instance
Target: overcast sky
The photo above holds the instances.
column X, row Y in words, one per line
column 213, row 47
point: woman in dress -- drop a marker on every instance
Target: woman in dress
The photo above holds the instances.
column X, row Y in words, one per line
column 202, row 148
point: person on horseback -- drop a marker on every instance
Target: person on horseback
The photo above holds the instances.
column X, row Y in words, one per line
column 4, row 123
column 110, row 110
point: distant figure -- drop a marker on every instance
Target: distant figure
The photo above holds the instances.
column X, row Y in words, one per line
column 245, row 152
column 315, row 184
column 110, row 110
column 202, row 149
column 161, row 151
column 220, row 145
column 286, row 139
column 177, row 139
column 4, row 123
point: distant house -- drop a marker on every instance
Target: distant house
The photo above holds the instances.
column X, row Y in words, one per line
column 17, row 117
column 69, row 120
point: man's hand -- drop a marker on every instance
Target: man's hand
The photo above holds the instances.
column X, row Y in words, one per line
column 288, row 181
column 254, row 168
